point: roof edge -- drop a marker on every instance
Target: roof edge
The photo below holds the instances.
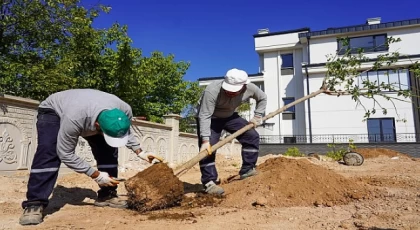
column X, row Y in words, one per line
column 361, row 27
column 282, row 32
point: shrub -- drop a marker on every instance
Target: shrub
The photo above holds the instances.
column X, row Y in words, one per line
column 293, row 152
column 337, row 154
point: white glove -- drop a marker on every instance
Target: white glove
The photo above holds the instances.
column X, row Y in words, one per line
column 206, row 146
column 257, row 120
column 150, row 157
column 105, row 180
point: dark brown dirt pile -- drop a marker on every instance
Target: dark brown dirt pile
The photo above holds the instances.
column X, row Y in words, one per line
column 202, row 200
column 286, row 182
column 154, row 188
column 376, row 152
column 173, row 216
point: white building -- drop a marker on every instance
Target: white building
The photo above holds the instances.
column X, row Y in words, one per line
column 292, row 65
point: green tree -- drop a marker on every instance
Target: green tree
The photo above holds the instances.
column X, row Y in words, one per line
column 36, row 45
column 49, row 46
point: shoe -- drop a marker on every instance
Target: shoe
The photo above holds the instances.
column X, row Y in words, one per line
column 32, row 215
column 111, row 201
column 212, row 188
column 250, row 173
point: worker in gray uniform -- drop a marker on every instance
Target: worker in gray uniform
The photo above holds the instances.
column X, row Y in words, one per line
column 104, row 121
column 216, row 111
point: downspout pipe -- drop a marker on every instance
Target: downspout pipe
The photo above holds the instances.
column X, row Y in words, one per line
column 307, row 89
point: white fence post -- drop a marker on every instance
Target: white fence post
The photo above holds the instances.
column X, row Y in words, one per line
column 173, row 121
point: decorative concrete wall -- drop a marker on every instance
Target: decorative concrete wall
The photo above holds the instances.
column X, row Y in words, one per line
column 18, row 139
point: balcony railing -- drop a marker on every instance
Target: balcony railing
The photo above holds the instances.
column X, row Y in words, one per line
column 341, row 138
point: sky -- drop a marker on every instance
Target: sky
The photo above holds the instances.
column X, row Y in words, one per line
column 215, row 36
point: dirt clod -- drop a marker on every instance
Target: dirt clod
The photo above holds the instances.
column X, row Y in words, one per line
column 261, row 201
column 154, row 188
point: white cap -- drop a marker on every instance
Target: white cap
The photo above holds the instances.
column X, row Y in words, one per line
column 235, row 79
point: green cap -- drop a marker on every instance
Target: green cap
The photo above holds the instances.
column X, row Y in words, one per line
column 115, row 125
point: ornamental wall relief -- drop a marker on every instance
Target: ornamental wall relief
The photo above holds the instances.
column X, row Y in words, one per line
column 14, row 145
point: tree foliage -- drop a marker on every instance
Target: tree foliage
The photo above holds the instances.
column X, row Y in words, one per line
column 346, row 67
column 50, row 46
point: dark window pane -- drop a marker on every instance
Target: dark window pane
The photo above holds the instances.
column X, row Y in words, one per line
column 362, row 42
column 388, row 130
column 380, row 41
column 289, row 100
column 341, row 46
column 387, row 126
column 289, row 140
column 373, row 126
column 366, row 43
column 381, row 130
column 289, row 71
column 374, row 130
column 288, row 116
column 260, row 85
column 287, row 60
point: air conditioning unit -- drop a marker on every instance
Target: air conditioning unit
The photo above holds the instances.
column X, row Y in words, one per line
column 263, row 31
column 372, row 21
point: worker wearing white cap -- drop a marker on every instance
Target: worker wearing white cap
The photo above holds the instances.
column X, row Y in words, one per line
column 216, row 112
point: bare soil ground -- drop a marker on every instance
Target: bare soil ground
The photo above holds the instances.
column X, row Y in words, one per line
column 288, row 193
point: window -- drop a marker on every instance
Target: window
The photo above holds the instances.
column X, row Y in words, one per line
column 381, row 130
column 260, row 85
column 289, row 114
column 287, row 64
column 396, row 79
column 403, row 76
column 289, row 140
column 373, row 43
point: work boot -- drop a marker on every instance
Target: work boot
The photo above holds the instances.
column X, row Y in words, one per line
column 111, row 200
column 212, row 188
column 32, row 215
column 250, row 173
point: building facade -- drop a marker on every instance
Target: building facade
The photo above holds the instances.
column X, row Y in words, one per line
column 293, row 64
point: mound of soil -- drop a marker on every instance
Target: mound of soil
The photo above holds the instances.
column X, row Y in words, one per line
column 287, row 182
column 154, row 188
column 376, row 152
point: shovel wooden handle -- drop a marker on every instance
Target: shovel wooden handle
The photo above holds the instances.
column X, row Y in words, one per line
column 201, row 155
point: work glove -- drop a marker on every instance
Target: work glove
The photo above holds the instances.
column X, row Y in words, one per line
column 105, row 180
column 206, row 146
column 150, row 157
column 256, row 120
